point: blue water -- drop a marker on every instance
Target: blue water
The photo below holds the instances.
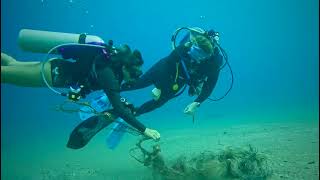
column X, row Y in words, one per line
column 272, row 47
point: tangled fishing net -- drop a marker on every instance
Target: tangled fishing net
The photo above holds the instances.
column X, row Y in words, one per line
column 228, row 164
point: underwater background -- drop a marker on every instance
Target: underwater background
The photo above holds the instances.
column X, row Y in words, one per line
column 273, row 49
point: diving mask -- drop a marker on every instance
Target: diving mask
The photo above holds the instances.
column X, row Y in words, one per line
column 198, row 54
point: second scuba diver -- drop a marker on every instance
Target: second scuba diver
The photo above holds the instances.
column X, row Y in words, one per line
column 103, row 69
column 196, row 62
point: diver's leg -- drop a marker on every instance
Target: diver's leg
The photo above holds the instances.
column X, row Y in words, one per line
column 152, row 105
column 7, row 60
column 155, row 74
column 166, row 94
column 28, row 76
column 144, row 81
column 149, row 106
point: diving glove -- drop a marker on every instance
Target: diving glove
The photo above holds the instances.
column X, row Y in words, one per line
column 191, row 108
column 151, row 133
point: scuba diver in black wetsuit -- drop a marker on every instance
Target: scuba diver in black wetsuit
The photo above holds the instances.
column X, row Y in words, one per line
column 96, row 66
column 196, row 63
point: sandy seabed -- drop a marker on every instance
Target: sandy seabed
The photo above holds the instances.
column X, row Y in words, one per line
column 292, row 150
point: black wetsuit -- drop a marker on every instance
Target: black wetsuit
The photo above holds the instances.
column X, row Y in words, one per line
column 163, row 75
column 107, row 76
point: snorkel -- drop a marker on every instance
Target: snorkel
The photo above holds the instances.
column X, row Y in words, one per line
column 197, row 53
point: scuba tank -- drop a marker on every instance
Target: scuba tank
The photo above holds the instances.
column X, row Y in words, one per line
column 43, row 41
column 68, row 45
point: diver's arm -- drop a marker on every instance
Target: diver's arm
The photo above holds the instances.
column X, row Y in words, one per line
column 124, row 112
column 111, row 87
